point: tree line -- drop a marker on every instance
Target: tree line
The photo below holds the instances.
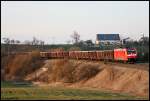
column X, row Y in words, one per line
column 142, row 45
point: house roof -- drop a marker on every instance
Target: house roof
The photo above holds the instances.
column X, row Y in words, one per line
column 108, row 37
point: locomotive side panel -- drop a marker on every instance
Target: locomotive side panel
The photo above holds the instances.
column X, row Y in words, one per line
column 120, row 54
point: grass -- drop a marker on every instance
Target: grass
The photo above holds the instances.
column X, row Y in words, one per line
column 9, row 84
column 11, row 91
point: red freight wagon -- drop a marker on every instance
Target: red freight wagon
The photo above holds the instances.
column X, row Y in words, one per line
column 85, row 55
column 100, row 55
column 44, row 54
column 109, row 54
column 53, row 54
column 92, row 55
column 66, row 54
column 78, row 54
column 60, row 54
column 71, row 54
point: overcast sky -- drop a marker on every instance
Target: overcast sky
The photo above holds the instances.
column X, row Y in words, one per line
column 55, row 21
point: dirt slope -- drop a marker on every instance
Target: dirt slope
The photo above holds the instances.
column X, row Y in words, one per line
column 74, row 73
column 127, row 80
column 20, row 65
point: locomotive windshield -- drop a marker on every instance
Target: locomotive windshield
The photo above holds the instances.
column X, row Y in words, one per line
column 131, row 51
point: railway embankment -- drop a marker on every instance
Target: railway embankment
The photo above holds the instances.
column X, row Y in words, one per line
column 126, row 78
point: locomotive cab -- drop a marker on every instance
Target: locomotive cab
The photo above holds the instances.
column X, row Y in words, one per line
column 132, row 55
column 126, row 54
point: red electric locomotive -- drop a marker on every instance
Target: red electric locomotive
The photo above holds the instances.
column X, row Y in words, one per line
column 126, row 54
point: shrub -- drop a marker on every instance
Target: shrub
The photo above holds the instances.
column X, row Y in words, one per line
column 74, row 49
column 65, row 71
column 84, row 72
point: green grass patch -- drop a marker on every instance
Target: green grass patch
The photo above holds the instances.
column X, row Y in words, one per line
column 5, row 84
column 57, row 93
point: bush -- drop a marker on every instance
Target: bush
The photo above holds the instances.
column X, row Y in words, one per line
column 74, row 49
column 62, row 71
column 66, row 71
column 85, row 72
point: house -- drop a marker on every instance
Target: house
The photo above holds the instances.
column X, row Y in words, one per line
column 108, row 39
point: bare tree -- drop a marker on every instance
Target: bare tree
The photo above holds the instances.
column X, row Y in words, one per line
column 17, row 41
column 76, row 37
column 35, row 41
column 12, row 41
column 6, row 40
column 41, row 43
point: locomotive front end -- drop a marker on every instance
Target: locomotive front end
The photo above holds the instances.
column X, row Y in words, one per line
column 132, row 54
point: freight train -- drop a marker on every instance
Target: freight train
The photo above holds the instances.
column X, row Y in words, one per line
column 125, row 55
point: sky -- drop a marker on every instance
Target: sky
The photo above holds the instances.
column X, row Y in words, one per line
column 55, row 21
